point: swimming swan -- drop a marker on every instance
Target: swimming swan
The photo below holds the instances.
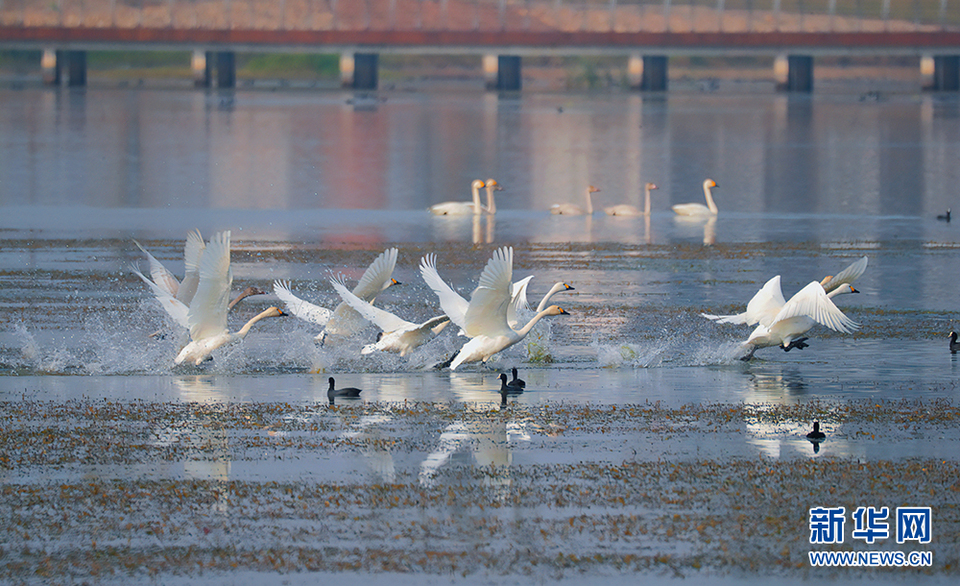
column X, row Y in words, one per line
column 397, row 335
column 570, row 209
column 491, row 186
column 343, row 320
column 630, row 210
column 207, row 315
column 698, row 209
column 485, row 317
column 461, row 208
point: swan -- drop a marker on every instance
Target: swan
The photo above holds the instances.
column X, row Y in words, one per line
column 518, row 302
column 630, row 210
column 570, row 209
column 808, row 307
column 698, row 209
column 398, row 335
column 484, row 319
column 768, row 301
column 207, row 314
column 491, row 186
column 954, row 345
column 343, row 320
column 516, row 382
column 461, row 208
column 816, row 435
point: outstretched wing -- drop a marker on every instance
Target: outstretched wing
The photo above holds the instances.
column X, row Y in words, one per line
column 303, row 309
column 762, row 308
column 487, row 313
column 847, row 275
column 812, row 302
column 518, row 299
column 451, row 302
column 192, row 251
column 375, row 278
column 175, row 308
column 208, row 310
column 384, row 320
column 162, row 277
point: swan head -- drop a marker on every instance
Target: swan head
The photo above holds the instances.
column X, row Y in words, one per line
column 274, row 312
column 555, row 310
column 251, row 291
column 651, row 186
column 478, row 184
column 846, row 288
column 566, row 287
column 390, row 282
column 592, row 189
column 709, row 183
column 492, row 184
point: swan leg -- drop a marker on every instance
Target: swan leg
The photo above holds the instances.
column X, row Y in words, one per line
column 749, row 355
column 798, row 344
column 446, row 363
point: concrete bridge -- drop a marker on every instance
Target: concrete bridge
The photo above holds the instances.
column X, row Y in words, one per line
column 502, row 32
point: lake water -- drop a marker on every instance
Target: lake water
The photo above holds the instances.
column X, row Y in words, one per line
column 313, row 182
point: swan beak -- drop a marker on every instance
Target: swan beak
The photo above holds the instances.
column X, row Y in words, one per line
column 395, row 282
column 281, row 313
column 563, row 311
column 852, row 290
column 568, row 287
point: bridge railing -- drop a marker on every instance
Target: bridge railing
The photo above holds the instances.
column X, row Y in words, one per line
column 492, row 15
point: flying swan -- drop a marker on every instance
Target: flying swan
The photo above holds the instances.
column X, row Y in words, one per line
column 484, row 319
column 207, row 315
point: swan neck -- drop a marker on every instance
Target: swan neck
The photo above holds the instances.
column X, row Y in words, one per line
column 546, row 298
column 491, row 203
column 589, row 202
column 237, row 299
column 242, row 332
column 522, row 332
column 476, row 199
column 646, row 201
column 709, row 195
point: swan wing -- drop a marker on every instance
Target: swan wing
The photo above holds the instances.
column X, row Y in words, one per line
column 451, row 302
column 159, row 273
column 375, row 278
column 303, row 309
column 384, row 320
column 174, row 307
column 765, row 305
column 518, row 299
column 812, row 302
column 487, row 312
column 192, row 251
column 207, row 316
column 847, row 275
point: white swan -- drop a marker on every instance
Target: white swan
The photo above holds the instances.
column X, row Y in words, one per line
column 698, row 209
column 461, row 208
column 343, row 320
column 570, row 209
column 485, row 318
column 397, row 335
column 768, row 301
column 810, row 306
column 518, row 301
column 207, row 315
column 173, row 295
column 631, row 210
column 491, row 186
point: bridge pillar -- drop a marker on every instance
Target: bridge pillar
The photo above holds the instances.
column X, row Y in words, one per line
column 940, row 72
column 202, row 66
column 76, row 65
column 793, row 73
column 648, row 73
column 50, row 67
column 226, row 69
column 359, row 71
column 502, row 72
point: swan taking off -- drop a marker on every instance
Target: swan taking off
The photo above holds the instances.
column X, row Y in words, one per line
column 343, row 320
column 698, row 209
column 570, row 209
column 630, row 210
column 484, row 319
column 518, row 303
column 397, row 335
column 207, row 315
column 463, row 208
column 173, row 295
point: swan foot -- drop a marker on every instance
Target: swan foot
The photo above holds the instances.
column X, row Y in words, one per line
column 749, row 356
column 798, row 344
column 446, row 363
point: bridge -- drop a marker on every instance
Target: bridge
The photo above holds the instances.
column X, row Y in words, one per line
column 502, row 32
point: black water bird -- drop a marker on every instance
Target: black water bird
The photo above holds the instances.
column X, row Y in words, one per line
column 945, row 217
column 954, row 345
column 517, row 383
column 816, row 435
column 344, row 392
column 506, row 389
